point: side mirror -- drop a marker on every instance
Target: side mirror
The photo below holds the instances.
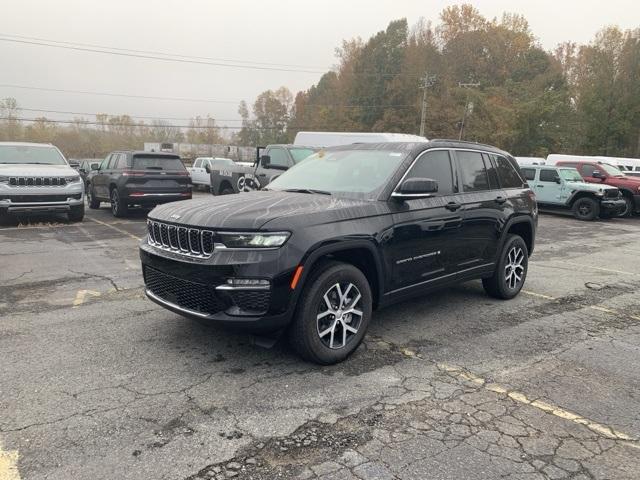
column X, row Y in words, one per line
column 413, row 188
column 265, row 161
column 557, row 179
column 82, row 170
column 207, row 168
column 95, row 166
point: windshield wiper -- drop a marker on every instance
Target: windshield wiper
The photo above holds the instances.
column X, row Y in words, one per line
column 307, row 190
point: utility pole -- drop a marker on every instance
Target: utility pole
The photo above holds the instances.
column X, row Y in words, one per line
column 427, row 82
column 468, row 106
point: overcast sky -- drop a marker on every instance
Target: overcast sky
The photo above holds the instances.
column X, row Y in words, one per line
column 292, row 32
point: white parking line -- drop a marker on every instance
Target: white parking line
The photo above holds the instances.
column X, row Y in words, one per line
column 9, row 464
column 113, row 227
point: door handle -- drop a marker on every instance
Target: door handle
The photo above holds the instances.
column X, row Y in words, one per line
column 500, row 200
column 540, row 186
column 453, row 206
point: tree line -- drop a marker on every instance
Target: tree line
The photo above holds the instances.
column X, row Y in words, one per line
column 486, row 80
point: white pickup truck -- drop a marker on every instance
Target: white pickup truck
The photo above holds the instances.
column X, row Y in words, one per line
column 199, row 174
column 36, row 178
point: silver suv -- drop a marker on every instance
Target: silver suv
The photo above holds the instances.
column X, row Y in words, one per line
column 36, row 178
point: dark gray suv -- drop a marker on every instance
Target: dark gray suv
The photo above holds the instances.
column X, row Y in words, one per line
column 133, row 178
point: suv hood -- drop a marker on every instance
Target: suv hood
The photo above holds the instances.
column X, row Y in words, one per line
column 253, row 210
column 29, row 170
column 590, row 187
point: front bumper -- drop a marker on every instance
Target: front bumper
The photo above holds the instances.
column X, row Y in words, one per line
column 615, row 206
column 41, row 199
column 199, row 289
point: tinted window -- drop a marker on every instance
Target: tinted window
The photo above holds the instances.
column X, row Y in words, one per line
column 279, row 157
column 529, row 173
column 122, row 161
column 548, row 175
column 491, row 172
column 509, row 177
column 197, row 163
column 142, row 162
column 105, row 163
column 435, row 165
column 472, row 171
column 587, row 170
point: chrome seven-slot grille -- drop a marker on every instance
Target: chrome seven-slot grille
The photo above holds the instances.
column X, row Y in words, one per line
column 194, row 242
column 37, row 181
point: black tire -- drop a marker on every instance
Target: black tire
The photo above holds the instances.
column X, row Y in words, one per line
column 314, row 316
column 76, row 214
column 586, row 208
column 93, row 202
column 628, row 211
column 500, row 285
column 118, row 207
column 227, row 191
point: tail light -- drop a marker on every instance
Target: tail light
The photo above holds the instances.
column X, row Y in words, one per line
column 132, row 173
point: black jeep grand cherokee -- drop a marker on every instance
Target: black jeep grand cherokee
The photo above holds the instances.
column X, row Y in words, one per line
column 347, row 230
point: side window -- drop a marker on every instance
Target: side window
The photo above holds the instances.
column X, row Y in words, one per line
column 435, row 165
column 491, row 172
column 548, row 175
column 472, row 171
column 197, row 163
column 278, row 157
column 529, row 173
column 122, row 161
column 509, row 176
column 587, row 170
column 105, row 163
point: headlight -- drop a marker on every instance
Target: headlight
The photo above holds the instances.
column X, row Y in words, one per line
column 599, row 193
column 254, row 240
column 74, row 179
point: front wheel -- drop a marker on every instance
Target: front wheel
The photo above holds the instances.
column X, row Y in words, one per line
column 629, row 207
column 333, row 314
column 509, row 276
column 586, row 208
column 76, row 214
column 93, row 202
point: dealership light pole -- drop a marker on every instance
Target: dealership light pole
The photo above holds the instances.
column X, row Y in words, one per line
column 427, row 82
column 468, row 106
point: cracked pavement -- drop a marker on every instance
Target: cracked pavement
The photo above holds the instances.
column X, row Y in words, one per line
column 454, row 385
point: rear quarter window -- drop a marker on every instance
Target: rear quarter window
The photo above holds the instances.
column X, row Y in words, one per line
column 509, row 176
column 143, row 162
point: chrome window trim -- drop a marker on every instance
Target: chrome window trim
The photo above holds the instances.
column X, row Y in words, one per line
column 396, row 193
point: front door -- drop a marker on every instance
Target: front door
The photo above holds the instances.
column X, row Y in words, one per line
column 426, row 231
column 550, row 187
column 101, row 177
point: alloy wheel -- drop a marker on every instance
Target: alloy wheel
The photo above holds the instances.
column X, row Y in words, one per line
column 584, row 209
column 114, row 202
column 339, row 315
column 514, row 269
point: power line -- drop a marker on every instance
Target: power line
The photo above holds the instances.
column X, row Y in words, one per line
column 180, row 99
column 116, row 124
column 156, row 57
column 152, row 52
column 180, row 58
column 145, row 117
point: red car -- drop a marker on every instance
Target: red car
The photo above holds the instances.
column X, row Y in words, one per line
column 598, row 172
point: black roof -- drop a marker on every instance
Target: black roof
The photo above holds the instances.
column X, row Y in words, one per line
column 416, row 147
column 146, row 152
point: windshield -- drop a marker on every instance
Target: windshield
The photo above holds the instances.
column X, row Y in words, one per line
column 300, row 154
column 157, row 163
column 611, row 170
column 570, row 175
column 45, row 155
column 354, row 173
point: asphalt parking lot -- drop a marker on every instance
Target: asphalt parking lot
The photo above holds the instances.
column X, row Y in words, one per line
column 98, row 382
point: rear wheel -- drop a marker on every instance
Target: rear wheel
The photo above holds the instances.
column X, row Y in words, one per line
column 76, row 214
column 511, row 271
column 586, row 208
column 333, row 314
column 93, row 202
column 118, row 207
column 226, row 191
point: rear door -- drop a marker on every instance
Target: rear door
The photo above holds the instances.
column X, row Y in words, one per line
column 101, row 178
column 426, row 230
column 484, row 202
column 153, row 174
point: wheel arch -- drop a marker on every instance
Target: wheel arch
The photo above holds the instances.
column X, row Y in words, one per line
column 522, row 226
column 578, row 195
column 360, row 253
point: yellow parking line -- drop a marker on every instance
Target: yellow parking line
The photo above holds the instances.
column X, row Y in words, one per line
column 9, row 464
column 539, row 295
column 622, row 272
column 124, row 232
column 598, row 308
column 554, row 410
column 81, row 295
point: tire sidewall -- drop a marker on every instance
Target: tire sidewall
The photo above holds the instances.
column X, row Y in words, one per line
column 630, row 206
column 512, row 241
column 310, row 301
column 595, row 210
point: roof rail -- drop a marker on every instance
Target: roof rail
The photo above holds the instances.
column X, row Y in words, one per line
column 460, row 141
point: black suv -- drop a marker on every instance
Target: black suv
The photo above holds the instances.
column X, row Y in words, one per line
column 348, row 230
column 146, row 179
